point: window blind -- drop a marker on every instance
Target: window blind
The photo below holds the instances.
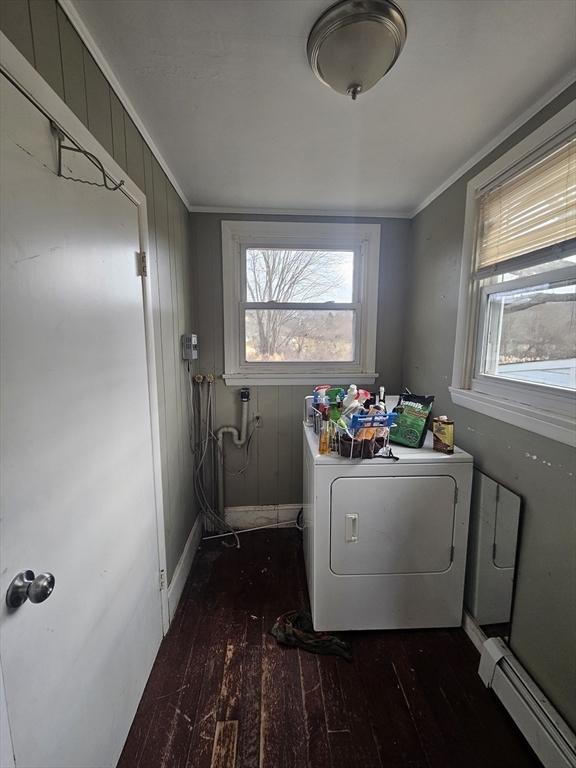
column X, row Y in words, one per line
column 534, row 209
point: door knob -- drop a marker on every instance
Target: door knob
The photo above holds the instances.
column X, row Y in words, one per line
column 25, row 586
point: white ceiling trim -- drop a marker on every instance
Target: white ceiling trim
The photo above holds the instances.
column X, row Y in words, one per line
column 353, row 214
column 90, row 43
column 496, row 141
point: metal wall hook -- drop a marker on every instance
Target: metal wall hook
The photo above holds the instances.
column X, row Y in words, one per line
column 61, row 138
column 25, row 586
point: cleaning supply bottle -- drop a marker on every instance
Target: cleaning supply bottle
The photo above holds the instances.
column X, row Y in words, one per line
column 350, row 396
column 324, row 442
column 383, row 398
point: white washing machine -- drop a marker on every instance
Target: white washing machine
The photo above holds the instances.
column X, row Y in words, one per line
column 385, row 542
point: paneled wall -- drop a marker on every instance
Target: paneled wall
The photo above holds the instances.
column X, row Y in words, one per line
column 42, row 32
column 274, row 471
column 541, row 471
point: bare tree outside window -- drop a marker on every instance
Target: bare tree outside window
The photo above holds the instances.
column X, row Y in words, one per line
column 299, row 276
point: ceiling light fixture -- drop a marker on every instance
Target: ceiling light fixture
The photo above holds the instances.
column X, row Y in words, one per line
column 354, row 43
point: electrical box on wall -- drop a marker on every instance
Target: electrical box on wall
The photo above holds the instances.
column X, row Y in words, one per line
column 189, row 346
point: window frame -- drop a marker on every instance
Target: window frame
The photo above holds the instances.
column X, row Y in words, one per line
column 548, row 411
column 363, row 239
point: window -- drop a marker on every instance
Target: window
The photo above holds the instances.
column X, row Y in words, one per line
column 516, row 338
column 300, row 301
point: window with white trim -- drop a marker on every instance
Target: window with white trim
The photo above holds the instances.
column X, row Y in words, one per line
column 300, row 301
column 516, row 340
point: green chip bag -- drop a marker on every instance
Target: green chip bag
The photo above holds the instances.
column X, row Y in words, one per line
column 414, row 412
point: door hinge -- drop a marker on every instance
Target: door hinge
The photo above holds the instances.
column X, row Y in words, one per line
column 452, row 553
column 162, row 579
column 142, row 264
column 455, row 494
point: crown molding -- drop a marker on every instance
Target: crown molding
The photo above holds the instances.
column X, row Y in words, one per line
column 78, row 23
column 324, row 212
column 518, row 122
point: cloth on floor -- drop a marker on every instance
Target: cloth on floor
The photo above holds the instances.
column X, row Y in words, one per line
column 295, row 629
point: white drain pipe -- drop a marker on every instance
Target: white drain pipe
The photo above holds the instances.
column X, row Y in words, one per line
column 239, row 440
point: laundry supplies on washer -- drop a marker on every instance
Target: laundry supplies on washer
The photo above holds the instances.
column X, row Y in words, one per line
column 414, row 414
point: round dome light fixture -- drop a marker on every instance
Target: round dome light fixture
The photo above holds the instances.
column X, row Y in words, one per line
column 354, row 43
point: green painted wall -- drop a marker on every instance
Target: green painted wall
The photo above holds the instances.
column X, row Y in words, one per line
column 542, row 471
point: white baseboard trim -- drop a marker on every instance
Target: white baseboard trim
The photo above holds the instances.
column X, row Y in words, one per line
column 543, row 727
column 182, row 570
column 254, row 516
column 474, row 631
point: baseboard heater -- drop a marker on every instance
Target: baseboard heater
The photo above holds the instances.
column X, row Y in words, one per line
column 544, row 729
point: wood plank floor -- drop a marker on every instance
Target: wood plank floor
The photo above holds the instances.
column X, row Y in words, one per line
column 223, row 694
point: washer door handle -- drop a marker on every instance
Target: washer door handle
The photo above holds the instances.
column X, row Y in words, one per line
column 351, row 527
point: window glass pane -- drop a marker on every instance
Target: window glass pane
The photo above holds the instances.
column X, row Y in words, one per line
column 283, row 275
column 304, row 336
column 532, row 335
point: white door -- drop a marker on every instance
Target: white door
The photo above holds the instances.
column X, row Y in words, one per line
column 77, row 492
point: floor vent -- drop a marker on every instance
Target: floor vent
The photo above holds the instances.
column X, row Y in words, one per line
column 546, row 731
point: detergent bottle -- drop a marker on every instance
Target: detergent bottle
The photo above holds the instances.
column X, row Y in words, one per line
column 350, row 396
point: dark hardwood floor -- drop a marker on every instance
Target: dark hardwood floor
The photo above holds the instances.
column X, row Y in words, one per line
column 222, row 693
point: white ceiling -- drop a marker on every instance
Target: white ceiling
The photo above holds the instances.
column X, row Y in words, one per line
column 226, row 93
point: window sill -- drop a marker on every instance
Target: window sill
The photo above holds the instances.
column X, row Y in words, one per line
column 263, row 379
column 541, row 422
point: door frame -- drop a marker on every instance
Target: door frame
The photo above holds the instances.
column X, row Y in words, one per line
column 23, row 75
